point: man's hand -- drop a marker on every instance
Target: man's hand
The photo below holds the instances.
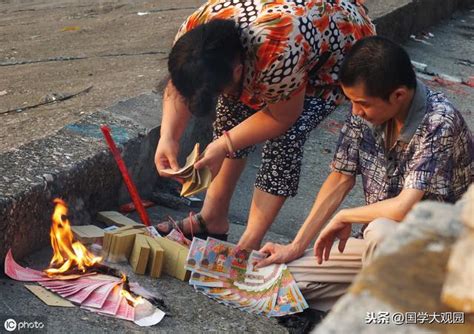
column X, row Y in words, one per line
column 213, row 156
column 166, row 155
column 278, row 254
column 335, row 229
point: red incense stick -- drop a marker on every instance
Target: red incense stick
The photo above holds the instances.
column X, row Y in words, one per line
column 126, row 177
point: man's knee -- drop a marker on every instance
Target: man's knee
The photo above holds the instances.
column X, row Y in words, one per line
column 378, row 229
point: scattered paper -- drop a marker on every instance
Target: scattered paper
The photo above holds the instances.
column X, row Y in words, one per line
column 152, row 232
column 179, row 237
column 419, row 66
column 47, row 297
column 147, row 315
column 469, row 81
column 71, row 28
column 413, row 37
column 151, row 320
column 450, row 78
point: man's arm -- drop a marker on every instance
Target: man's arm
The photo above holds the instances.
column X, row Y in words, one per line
column 339, row 227
column 332, row 193
column 394, row 208
column 329, row 198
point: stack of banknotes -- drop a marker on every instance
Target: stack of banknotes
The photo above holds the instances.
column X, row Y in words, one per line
column 194, row 180
column 97, row 293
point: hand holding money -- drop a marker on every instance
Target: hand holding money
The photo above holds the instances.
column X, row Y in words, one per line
column 194, row 180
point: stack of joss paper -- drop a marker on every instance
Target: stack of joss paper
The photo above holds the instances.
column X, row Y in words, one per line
column 195, row 180
column 228, row 275
column 97, row 293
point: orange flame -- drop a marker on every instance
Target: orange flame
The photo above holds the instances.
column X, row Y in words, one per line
column 131, row 299
column 67, row 254
column 128, row 296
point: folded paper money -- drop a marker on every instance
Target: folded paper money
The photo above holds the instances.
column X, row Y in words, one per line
column 195, row 180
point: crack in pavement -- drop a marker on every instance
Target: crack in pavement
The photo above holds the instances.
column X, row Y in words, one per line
column 169, row 9
column 61, row 58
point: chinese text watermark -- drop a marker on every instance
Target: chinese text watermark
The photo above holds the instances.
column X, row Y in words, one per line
column 400, row 318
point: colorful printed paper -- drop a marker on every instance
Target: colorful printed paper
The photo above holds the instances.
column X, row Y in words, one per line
column 227, row 274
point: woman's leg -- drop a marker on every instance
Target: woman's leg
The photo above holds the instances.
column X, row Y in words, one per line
column 263, row 211
column 279, row 173
column 216, row 204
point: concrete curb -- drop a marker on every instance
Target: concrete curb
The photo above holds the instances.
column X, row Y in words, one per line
column 399, row 20
column 75, row 164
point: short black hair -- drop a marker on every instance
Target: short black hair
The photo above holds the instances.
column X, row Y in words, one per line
column 380, row 64
column 201, row 63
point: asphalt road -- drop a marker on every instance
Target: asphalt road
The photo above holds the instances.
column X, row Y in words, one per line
column 53, row 48
column 60, row 47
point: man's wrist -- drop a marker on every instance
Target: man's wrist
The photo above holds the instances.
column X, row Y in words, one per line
column 342, row 216
column 298, row 247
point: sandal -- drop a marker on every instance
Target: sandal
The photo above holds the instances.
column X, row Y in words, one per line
column 203, row 234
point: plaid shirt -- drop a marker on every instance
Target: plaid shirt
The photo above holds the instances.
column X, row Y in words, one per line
column 433, row 152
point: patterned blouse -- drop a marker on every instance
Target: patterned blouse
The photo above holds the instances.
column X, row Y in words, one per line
column 289, row 44
column 434, row 152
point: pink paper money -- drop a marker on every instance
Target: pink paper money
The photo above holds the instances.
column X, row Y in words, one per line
column 125, row 311
column 17, row 272
column 112, row 303
column 98, row 297
column 82, row 295
column 97, row 293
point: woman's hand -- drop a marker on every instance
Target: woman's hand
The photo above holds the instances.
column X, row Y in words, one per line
column 166, row 155
column 213, row 156
column 279, row 254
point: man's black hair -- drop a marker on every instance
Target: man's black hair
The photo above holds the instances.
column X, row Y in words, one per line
column 380, row 64
column 201, row 63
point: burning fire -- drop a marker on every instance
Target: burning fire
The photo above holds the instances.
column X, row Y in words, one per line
column 67, row 254
column 71, row 256
column 134, row 301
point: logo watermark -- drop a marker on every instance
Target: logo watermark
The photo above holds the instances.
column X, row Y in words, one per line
column 23, row 324
column 400, row 318
column 10, row 325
